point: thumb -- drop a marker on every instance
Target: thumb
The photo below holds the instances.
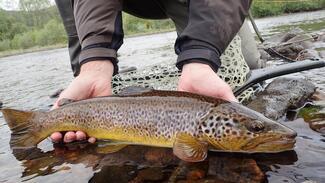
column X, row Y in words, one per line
column 73, row 93
column 101, row 88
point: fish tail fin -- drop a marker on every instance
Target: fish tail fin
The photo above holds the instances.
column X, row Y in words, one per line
column 21, row 124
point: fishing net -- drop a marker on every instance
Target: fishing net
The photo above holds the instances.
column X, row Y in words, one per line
column 164, row 76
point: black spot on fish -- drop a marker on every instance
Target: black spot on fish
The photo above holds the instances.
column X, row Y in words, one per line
column 227, row 131
column 207, row 131
column 235, row 120
column 228, row 124
column 211, row 117
column 218, row 118
column 225, row 119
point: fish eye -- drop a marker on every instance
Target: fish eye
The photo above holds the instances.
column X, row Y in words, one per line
column 256, row 127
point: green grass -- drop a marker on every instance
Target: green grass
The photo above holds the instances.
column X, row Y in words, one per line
column 262, row 8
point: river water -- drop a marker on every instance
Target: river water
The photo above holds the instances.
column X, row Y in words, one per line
column 27, row 81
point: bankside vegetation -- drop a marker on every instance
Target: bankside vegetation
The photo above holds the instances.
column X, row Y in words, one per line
column 37, row 22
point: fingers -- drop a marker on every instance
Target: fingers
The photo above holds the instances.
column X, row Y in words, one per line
column 201, row 79
column 81, row 135
column 230, row 97
column 71, row 136
column 92, row 140
column 56, row 137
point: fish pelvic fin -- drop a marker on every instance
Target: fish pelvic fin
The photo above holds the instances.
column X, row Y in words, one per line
column 21, row 125
column 189, row 149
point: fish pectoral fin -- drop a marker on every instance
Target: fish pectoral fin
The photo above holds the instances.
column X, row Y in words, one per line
column 188, row 148
column 65, row 101
column 109, row 148
column 134, row 90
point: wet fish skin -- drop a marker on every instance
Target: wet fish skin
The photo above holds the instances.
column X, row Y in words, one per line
column 189, row 123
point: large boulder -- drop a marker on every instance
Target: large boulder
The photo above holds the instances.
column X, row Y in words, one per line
column 282, row 94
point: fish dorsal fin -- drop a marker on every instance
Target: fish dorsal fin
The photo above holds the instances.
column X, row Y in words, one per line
column 188, row 148
column 134, row 90
column 65, row 101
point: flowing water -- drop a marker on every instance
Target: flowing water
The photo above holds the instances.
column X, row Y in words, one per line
column 27, row 81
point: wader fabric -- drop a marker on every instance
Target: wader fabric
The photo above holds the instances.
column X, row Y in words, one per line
column 249, row 48
column 204, row 27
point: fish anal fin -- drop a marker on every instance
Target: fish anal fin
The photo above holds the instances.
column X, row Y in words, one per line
column 110, row 148
column 188, row 148
column 134, row 90
column 21, row 124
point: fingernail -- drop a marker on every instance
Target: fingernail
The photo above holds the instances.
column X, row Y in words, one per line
column 91, row 140
column 67, row 140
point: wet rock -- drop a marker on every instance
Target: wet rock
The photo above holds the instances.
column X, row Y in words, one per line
column 149, row 174
column 307, row 54
column 56, row 94
column 318, row 95
column 295, row 45
column 318, row 126
column 265, row 55
column 304, row 40
column 189, row 172
column 163, row 156
column 321, row 54
column 315, row 116
column 291, row 51
column 115, row 174
column 236, row 170
column 321, row 38
column 195, row 175
column 281, row 38
column 282, row 94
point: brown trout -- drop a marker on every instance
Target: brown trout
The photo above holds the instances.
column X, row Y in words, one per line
column 191, row 124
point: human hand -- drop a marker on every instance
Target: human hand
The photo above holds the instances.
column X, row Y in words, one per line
column 200, row 78
column 94, row 80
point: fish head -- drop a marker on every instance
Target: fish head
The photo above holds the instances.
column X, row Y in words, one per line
column 234, row 127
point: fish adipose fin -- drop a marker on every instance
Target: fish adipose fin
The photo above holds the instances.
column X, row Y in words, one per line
column 188, row 148
column 21, row 124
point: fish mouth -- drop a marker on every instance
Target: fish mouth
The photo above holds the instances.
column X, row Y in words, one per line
column 270, row 146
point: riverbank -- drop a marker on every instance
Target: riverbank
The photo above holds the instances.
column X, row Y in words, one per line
column 264, row 8
column 63, row 45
